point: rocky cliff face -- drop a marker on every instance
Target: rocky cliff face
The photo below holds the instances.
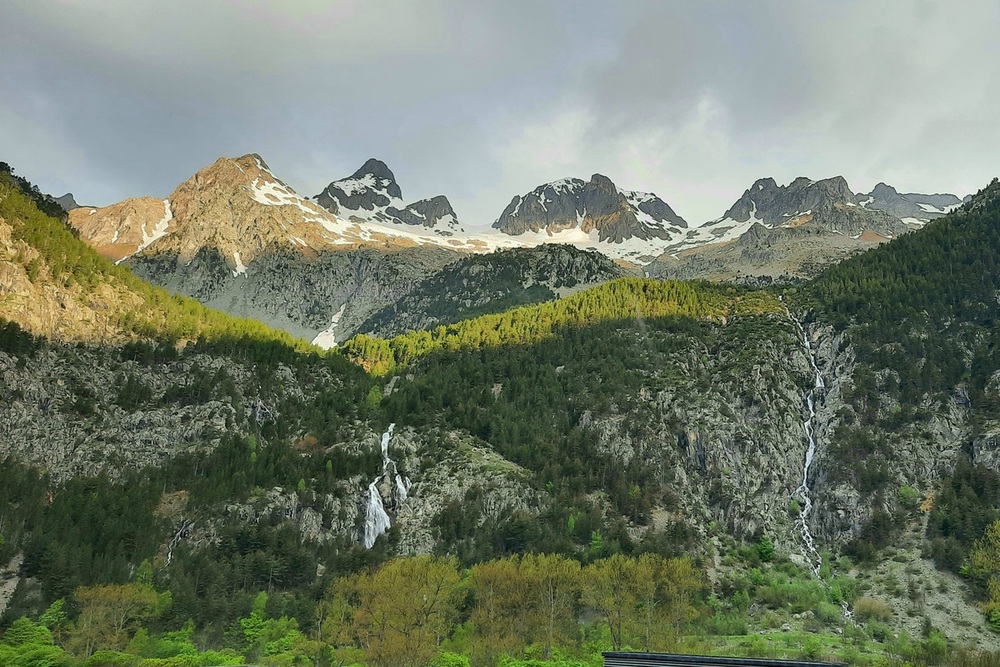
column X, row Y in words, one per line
column 828, row 204
column 322, row 298
column 782, row 231
column 371, row 194
column 435, row 213
column 79, row 411
column 763, row 254
column 123, row 229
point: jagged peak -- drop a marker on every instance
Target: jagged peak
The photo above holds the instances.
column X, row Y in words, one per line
column 834, row 180
column 883, row 189
column 763, row 183
column 376, row 168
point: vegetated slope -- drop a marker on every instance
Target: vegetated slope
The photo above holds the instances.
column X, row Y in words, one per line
column 623, row 298
column 918, row 318
column 56, row 286
column 670, row 405
column 637, row 416
column 491, row 283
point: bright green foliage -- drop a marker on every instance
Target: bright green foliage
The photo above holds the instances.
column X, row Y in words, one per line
column 54, row 616
column 632, row 299
column 29, row 644
column 24, row 631
column 446, row 659
column 765, row 550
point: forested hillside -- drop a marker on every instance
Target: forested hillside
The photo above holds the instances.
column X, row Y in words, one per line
column 621, row 468
column 918, row 319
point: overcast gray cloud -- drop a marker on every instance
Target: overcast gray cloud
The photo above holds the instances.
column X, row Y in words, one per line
column 484, row 100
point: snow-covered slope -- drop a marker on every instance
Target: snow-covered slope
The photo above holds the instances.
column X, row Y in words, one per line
column 594, row 214
column 371, row 195
column 827, row 206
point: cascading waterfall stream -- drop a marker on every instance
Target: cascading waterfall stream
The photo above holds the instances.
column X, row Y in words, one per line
column 811, row 554
column 181, row 533
column 376, row 518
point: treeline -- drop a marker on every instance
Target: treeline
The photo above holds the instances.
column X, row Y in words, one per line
column 410, row 612
column 633, row 299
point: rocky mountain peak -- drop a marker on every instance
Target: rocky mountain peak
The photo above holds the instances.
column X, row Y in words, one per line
column 235, row 206
column 883, row 190
column 824, row 206
column 913, row 208
column 603, row 184
column 376, row 168
column 372, row 195
column 67, row 202
column 595, row 213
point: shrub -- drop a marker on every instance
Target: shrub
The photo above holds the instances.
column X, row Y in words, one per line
column 868, row 609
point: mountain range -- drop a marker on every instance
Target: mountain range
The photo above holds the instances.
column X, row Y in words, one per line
column 236, row 237
column 801, row 447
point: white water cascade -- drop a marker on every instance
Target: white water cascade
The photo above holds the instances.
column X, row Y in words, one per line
column 811, row 554
column 376, row 518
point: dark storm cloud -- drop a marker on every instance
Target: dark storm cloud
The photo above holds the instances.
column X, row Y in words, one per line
column 483, row 100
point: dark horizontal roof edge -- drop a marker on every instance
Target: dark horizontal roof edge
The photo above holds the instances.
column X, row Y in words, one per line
column 682, row 660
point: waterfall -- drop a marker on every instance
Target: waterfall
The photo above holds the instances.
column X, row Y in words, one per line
column 181, row 533
column 811, row 554
column 376, row 518
column 385, row 447
column 402, row 488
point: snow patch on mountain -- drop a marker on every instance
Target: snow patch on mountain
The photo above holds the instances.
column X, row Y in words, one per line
column 161, row 228
column 327, row 338
column 721, row 230
column 240, row 267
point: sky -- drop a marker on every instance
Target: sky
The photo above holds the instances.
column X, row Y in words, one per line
column 480, row 101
